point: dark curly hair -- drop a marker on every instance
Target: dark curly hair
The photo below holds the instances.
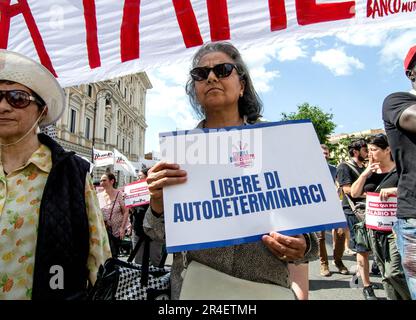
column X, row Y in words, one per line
column 249, row 104
column 356, row 145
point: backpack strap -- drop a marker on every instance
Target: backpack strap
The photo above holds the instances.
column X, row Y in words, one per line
column 114, row 203
column 352, row 167
column 355, row 171
column 145, row 258
column 393, row 171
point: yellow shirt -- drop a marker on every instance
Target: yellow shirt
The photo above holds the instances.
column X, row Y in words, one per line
column 20, row 196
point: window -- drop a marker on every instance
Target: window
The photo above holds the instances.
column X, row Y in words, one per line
column 125, row 92
column 117, row 142
column 129, row 147
column 73, row 121
column 87, row 127
column 122, row 147
column 90, row 90
column 105, row 134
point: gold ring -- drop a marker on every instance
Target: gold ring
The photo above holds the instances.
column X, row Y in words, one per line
column 284, row 257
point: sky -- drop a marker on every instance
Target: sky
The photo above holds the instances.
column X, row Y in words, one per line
column 347, row 74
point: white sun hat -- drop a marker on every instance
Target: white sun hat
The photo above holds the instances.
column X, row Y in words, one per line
column 21, row 69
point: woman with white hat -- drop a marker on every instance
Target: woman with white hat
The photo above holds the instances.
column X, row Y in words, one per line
column 52, row 235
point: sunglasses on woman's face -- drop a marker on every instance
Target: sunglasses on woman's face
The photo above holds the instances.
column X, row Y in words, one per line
column 18, row 98
column 221, row 70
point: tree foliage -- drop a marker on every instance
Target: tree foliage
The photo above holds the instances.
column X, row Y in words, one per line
column 321, row 120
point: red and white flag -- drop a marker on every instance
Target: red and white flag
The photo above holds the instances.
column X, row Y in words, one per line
column 88, row 41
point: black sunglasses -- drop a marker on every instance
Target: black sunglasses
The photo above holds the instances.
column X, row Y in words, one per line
column 221, row 70
column 18, row 98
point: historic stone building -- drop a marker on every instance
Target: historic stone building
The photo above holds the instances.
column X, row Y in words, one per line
column 115, row 109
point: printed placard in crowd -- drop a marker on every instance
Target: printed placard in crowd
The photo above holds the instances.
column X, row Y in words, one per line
column 103, row 158
column 380, row 215
column 137, row 194
column 244, row 182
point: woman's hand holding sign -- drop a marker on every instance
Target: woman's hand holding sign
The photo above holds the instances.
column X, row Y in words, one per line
column 162, row 174
column 385, row 193
column 288, row 248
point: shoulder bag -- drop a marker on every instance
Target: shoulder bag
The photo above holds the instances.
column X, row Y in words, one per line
column 357, row 208
column 201, row 282
column 108, row 223
column 119, row 280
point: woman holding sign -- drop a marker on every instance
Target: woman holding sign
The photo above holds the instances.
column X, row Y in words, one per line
column 221, row 92
column 380, row 176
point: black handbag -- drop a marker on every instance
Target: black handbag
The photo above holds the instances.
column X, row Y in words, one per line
column 119, row 280
column 361, row 235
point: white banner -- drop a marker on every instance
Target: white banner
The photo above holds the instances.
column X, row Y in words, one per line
column 137, row 194
column 121, row 163
column 103, row 158
column 245, row 182
column 380, row 215
column 88, row 41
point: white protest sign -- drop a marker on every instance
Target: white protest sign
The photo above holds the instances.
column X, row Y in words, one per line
column 137, row 194
column 121, row 163
column 89, row 41
column 380, row 215
column 245, row 182
column 103, row 158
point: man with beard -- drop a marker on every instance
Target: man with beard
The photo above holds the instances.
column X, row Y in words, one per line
column 399, row 115
column 347, row 173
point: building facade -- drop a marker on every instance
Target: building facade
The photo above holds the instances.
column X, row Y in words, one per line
column 358, row 134
column 106, row 115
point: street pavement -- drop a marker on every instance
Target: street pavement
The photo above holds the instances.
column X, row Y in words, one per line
column 337, row 286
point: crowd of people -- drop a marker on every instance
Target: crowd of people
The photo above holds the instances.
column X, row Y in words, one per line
column 50, row 215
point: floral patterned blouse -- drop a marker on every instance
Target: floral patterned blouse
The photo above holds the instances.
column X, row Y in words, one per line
column 117, row 211
column 20, row 197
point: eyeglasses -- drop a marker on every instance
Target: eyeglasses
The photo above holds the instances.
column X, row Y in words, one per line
column 18, row 98
column 221, row 70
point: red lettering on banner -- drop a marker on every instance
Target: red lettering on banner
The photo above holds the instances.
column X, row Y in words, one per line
column 187, row 23
column 383, row 205
column 381, row 8
column 308, row 12
column 8, row 11
column 91, row 31
column 409, row 6
column 129, row 33
column 278, row 19
column 218, row 20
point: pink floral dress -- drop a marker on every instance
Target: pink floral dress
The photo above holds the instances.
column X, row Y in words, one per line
column 117, row 215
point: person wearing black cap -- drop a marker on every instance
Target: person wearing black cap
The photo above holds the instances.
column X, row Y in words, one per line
column 399, row 116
